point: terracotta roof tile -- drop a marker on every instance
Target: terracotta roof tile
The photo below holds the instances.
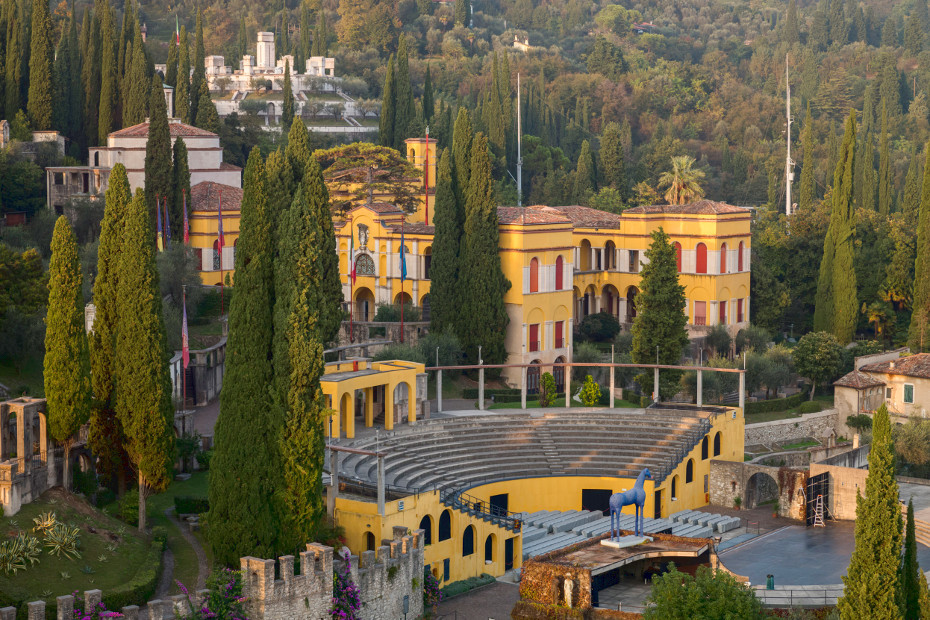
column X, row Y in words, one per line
column 917, row 365
column 175, row 129
column 586, row 217
column 413, row 228
column 858, row 380
column 701, row 207
column 206, row 194
column 383, row 208
column 530, row 215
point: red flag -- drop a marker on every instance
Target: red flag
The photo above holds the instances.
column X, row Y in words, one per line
column 187, row 235
column 185, row 349
column 219, row 228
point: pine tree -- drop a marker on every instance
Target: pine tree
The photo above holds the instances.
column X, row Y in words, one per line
column 585, row 175
column 106, row 436
column 287, row 112
column 791, row 33
column 386, row 128
column 917, row 335
column 180, row 187
column 910, row 571
column 138, row 87
column 207, row 117
column 182, row 93
column 611, row 156
column 157, row 150
column 449, row 222
column 143, row 384
column 245, row 472
column 428, row 103
column 884, row 168
column 106, row 116
column 872, row 579
column 659, row 329
column 827, row 309
column 839, row 33
column 806, row 192
column 484, row 284
column 889, row 33
column 40, row 67
column 66, row 365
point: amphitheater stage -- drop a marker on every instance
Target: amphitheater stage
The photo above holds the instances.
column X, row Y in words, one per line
column 601, row 559
column 797, row 555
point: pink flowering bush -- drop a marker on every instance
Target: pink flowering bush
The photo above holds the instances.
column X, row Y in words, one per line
column 99, row 612
column 347, row 599
column 224, row 600
column 432, row 595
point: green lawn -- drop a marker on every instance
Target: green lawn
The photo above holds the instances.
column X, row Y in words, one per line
column 619, row 404
column 800, row 445
column 755, row 418
column 204, row 336
column 111, row 551
column 28, row 378
column 185, row 560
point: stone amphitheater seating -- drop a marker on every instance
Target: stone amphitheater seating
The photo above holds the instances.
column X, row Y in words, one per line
column 472, row 450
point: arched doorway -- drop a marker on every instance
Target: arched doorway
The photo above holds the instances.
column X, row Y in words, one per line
column 403, row 298
column 610, row 256
column 761, row 488
column 590, row 303
column 610, row 301
column 369, row 541
column 364, row 304
column 532, row 378
column 445, row 526
column 585, row 255
column 489, row 543
column 558, row 373
column 631, row 294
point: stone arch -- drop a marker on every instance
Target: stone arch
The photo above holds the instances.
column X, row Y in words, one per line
column 610, row 255
column 584, row 257
column 445, row 526
column 364, row 304
column 760, row 488
column 631, row 293
column 610, row 300
column 403, row 298
column 426, row 524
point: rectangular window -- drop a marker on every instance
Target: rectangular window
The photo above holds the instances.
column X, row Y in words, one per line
column 908, row 393
column 634, row 261
column 888, row 393
column 534, row 337
column 722, row 311
column 445, row 569
column 739, row 310
column 559, row 340
column 700, row 313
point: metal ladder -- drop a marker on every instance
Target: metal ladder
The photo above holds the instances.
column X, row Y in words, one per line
column 818, row 512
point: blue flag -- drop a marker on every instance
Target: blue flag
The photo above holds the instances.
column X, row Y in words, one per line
column 403, row 257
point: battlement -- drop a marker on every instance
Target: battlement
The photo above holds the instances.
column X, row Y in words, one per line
column 306, row 595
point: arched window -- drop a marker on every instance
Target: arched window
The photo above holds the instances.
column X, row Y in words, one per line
column 445, row 526
column 739, row 257
column 705, row 444
column 674, row 487
column 717, row 444
column 678, row 255
column 701, row 252
column 689, row 471
column 534, row 276
column 364, row 265
column 489, row 548
column 426, row 524
column 723, row 258
column 558, row 272
column 468, row 541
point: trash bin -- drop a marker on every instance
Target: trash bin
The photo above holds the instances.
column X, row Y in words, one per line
column 770, row 582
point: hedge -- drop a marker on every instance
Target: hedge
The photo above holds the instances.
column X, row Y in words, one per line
column 189, row 505
column 461, row 587
column 810, row 406
column 776, row 404
column 472, row 393
column 142, row 587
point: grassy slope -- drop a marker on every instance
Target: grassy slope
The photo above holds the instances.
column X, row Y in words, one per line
column 30, row 377
column 54, row 576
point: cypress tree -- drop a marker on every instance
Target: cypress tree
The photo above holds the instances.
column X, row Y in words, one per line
column 76, row 94
column 910, row 571
column 180, row 186
column 157, row 150
column 126, row 34
column 143, row 384
column 138, row 87
column 305, row 33
column 90, row 77
column 899, row 278
column 287, row 113
column 13, row 69
column 280, row 187
column 428, row 103
column 917, row 334
column 484, row 283
column 806, row 192
column 171, row 65
column 884, row 168
column 207, row 117
column 298, row 151
column 320, row 35
column 791, row 33
column 106, row 436
column 872, row 579
column 462, row 12
column 40, row 67
column 106, row 116
column 845, row 304
column 386, row 123
column 245, row 472
column 461, row 157
column 243, row 39
column 446, row 265
column 585, row 175
column 182, row 93
column 841, row 207
column 199, row 73
column 864, row 177
column 66, row 365
column 62, row 86
column 329, row 284
column 611, row 156
column 890, row 86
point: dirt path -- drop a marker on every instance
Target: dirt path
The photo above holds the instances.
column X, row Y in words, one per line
column 166, row 581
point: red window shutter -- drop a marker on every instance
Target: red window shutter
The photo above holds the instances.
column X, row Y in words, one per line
column 534, row 337
column 558, row 335
column 678, row 255
column 739, row 258
column 701, row 258
column 558, row 273
column 722, row 306
column 534, row 276
column 723, row 258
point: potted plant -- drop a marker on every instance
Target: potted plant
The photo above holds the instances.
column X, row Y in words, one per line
column 737, row 502
column 776, row 508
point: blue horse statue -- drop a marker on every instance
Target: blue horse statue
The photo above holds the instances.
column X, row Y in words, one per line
column 635, row 497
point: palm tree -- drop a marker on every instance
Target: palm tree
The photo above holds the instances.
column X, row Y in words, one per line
column 683, row 181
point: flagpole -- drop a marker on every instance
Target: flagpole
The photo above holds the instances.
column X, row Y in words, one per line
column 183, row 347
column 426, row 177
column 351, row 284
column 219, row 243
column 402, row 266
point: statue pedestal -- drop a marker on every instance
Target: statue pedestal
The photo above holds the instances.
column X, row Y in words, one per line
column 625, row 541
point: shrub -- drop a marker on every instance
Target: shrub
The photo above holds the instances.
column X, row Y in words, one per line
column 347, row 599
column 16, row 552
column 62, row 539
column 203, row 458
column 432, row 595
column 547, row 389
column 188, row 445
column 84, row 481
column 776, row 404
column 399, row 352
column 223, row 600
column 450, row 349
column 129, row 507
column 810, row 406
column 390, row 313
column 859, row 422
column 460, row 587
column 598, row 327
column 186, row 505
column 590, row 392
column 752, row 337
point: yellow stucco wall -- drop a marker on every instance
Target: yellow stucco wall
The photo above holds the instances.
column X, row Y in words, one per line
column 203, row 234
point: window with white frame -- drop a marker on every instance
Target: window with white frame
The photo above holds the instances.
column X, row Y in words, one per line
column 908, row 393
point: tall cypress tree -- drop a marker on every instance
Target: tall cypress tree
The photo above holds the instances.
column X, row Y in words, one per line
column 126, row 34
column 66, row 365
column 386, row 123
column 106, row 116
column 13, row 68
column 899, row 278
column 872, row 579
column 182, row 93
column 320, row 36
column 90, row 77
column 918, row 335
column 845, row 303
column 298, row 150
column 245, row 472
column 171, row 65
column 280, row 187
column 138, row 87
column 62, row 86
column 106, row 436
column 865, row 182
column 305, row 34
column 287, row 111
column 585, row 175
column 207, row 117
column 143, row 383
column 838, row 233
column 791, row 33
column 157, row 150
column 806, row 192
column 40, row 67
column 76, row 96
column 884, row 168
column 428, row 102
column 910, row 571
column 462, row 135
column 611, row 156
column 180, row 187
column 405, row 110
column 449, row 222
column 484, row 283
column 199, row 73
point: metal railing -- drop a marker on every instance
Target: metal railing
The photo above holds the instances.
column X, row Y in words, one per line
column 803, row 597
column 456, row 498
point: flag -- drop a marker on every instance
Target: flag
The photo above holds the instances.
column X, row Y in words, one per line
column 185, row 348
column 177, row 31
column 219, row 229
column 403, row 257
column 187, row 232
column 158, row 238
column 352, row 252
column 167, row 225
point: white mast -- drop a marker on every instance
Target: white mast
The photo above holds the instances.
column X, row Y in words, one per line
column 789, row 164
column 519, row 155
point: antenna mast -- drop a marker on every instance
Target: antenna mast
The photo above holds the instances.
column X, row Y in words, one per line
column 789, row 164
column 519, row 155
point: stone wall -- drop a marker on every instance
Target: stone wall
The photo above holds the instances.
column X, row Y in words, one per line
column 730, row 479
column 844, row 483
column 846, row 455
column 817, row 425
column 384, row 581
